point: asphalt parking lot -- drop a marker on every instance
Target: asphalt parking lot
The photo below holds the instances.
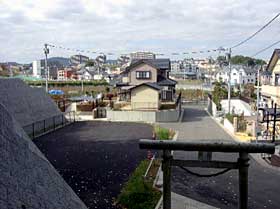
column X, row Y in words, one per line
column 95, row 158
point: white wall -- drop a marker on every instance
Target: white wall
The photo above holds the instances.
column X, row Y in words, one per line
column 228, row 125
column 238, row 105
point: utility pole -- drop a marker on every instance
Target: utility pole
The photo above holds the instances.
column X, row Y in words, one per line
column 258, row 100
column 229, row 79
column 46, row 51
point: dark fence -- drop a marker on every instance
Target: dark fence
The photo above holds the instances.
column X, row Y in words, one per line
column 38, row 128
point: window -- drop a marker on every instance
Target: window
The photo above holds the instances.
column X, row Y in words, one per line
column 277, row 79
column 143, row 74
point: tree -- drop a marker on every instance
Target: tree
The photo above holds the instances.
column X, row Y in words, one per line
column 219, row 93
column 249, row 91
column 90, row 63
column 243, row 60
column 221, row 59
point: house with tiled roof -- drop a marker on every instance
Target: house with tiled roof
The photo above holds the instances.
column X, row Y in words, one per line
column 145, row 84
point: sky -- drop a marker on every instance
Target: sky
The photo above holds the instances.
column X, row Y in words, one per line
column 123, row 26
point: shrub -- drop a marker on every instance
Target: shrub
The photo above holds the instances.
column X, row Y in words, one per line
column 163, row 133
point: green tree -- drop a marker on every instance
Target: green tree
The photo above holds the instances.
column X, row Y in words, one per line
column 243, row 60
column 90, row 63
column 219, row 93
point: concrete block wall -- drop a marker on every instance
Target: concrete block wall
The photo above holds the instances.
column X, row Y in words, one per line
column 168, row 115
column 27, row 178
column 145, row 116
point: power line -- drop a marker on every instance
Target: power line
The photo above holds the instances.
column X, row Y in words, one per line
column 258, row 31
column 266, row 48
column 219, row 50
column 180, row 53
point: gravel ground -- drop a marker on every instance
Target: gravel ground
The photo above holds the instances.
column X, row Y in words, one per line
column 96, row 158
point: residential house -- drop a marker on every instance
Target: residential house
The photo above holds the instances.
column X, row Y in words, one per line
column 146, row 84
column 66, row 74
column 240, row 75
column 270, row 91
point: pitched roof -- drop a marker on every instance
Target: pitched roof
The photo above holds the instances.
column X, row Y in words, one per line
column 161, row 64
column 151, row 85
column 271, row 63
column 162, row 81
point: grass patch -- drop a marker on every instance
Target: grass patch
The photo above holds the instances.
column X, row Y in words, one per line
column 163, row 133
column 138, row 193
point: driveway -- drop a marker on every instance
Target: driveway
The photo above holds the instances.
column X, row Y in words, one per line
column 95, row 158
column 220, row 191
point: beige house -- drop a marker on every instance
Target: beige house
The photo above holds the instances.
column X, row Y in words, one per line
column 146, row 84
column 145, row 96
column 270, row 91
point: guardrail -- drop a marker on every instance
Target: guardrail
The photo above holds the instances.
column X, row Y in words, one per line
column 47, row 125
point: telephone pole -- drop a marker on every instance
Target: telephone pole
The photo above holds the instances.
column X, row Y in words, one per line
column 258, row 100
column 46, row 51
column 229, row 79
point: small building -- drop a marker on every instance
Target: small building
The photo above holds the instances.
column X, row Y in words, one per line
column 147, row 76
column 145, row 96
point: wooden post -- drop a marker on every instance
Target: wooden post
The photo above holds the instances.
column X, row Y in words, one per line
column 166, row 168
column 243, row 180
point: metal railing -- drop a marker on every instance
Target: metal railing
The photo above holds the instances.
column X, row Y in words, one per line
column 41, row 127
column 242, row 163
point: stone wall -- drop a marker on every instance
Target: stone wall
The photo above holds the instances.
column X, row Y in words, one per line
column 27, row 179
column 26, row 104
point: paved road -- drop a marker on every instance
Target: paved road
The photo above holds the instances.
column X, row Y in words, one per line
column 220, row 191
column 95, row 158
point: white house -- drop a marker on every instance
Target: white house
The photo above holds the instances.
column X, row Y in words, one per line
column 240, row 75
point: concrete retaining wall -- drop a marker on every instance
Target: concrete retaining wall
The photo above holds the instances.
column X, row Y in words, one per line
column 27, row 178
column 167, row 116
column 145, row 116
column 229, row 126
column 131, row 116
column 238, row 106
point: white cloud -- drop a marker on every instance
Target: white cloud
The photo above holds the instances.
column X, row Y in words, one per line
column 124, row 25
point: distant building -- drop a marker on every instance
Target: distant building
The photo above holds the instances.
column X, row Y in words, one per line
column 142, row 55
column 239, row 75
column 38, row 69
column 175, row 66
column 78, row 59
